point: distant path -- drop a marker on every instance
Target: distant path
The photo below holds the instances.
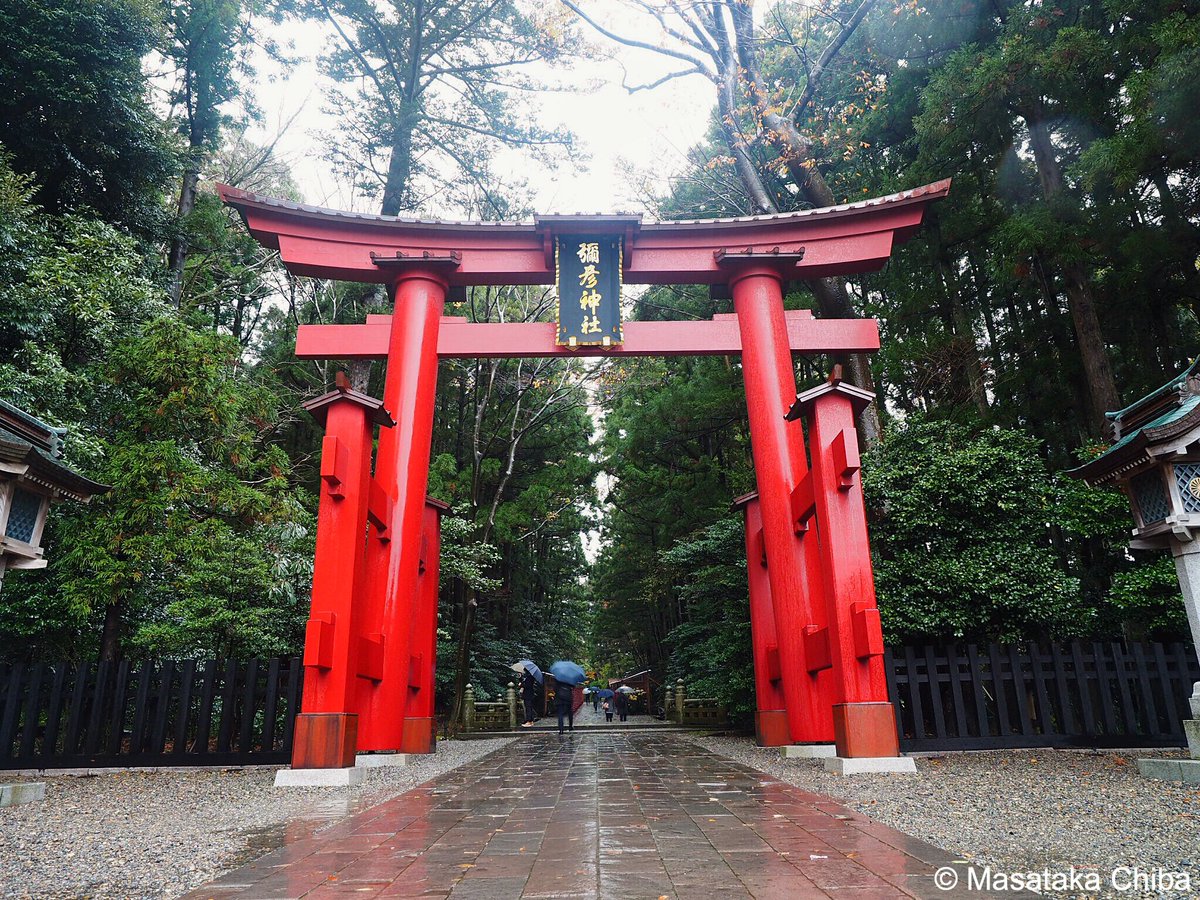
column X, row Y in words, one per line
column 593, row 815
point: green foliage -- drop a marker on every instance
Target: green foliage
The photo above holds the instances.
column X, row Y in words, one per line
column 436, row 90
column 1149, row 600
column 199, row 539
column 960, row 537
column 73, row 107
column 711, row 649
column 202, row 546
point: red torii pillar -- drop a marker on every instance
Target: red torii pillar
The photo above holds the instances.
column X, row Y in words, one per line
column 327, row 730
column 864, row 721
column 793, row 567
column 420, row 727
column 393, row 556
column 770, row 708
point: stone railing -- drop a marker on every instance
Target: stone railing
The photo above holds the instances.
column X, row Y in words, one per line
column 699, row 711
column 500, row 716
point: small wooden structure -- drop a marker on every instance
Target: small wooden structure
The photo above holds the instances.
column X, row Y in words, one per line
column 1155, row 460
column 31, row 476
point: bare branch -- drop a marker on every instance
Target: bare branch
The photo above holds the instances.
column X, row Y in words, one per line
column 827, row 56
column 631, row 42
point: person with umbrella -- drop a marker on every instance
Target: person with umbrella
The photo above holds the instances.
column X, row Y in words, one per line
column 531, row 680
column 622, row 702
column 606, row 698
column 567, row 674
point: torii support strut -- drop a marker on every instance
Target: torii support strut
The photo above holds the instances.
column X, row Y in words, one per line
column 422, row 260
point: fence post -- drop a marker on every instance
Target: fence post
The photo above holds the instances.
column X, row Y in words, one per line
column 512, row 705
column 469, row 708
column 679, row 696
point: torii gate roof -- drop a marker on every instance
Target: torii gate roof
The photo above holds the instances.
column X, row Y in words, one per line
column 347, row 246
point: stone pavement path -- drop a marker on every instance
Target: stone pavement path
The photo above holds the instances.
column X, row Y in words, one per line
column 621, row 816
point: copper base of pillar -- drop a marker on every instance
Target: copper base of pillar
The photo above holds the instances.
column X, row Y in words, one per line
column 419, row 736
column 771, row 728
column 324, row 740
column 865, row 729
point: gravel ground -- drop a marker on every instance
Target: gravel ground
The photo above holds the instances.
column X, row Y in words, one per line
column 153, row 835
column 1024, row 811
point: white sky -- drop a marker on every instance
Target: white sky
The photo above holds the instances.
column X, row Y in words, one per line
column 650, row 129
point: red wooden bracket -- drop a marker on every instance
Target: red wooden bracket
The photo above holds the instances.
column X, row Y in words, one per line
column 335, row 460
column 804, row 504
column 845, row 459
column 414, row 671
column 760, row 547
column 868, row 630
column 370, row 656
column 424, row 553
column 816, row 648
column 318, row 641
column 774, row 672
column 379, row 510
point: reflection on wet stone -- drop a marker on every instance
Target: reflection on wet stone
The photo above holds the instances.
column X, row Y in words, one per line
column 591, row 816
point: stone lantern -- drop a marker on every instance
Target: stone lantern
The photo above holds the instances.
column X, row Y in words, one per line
column 31, row 476
column 1155, row 460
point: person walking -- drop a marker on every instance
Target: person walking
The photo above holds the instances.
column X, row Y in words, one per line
column 529, row 696
column 595, row 700
column 607, row 710
column 622, row 705
column 564, row 701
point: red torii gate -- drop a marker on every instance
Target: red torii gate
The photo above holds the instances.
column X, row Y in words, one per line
column 368, row 649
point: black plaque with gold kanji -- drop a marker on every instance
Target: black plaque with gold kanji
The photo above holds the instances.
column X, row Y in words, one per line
column 589, row 290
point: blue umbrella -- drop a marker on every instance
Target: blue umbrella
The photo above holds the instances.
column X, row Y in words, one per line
column 605, row 694
column 527, row 665
column 567, row 672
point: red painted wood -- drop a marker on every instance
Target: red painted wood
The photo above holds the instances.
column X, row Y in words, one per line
column 865, row 730
column 331, row 645
column 423, row 646
column 324, row 741
column 792, row 567
column 771, row 715
column 459, row 339
column 332, row 244
column 845, row 550
column 402, row 473
column 771, row 728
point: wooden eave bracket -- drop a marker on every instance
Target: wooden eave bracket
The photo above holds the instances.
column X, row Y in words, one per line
column 370, row 656
column 449, row 260
column 868, row 629
column 846, row 461
column 318, row 640
column 804, row 504
column 335, row 463
column 787, row 256
column 379, row 510
column 816, row 648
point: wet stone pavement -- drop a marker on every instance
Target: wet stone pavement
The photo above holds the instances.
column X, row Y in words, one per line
column 618, row 816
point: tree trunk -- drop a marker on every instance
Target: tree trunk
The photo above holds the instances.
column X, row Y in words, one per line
column 1102, row 386
column 462, row 660
column 110, row 637
column 177, row 258
column 395, row 189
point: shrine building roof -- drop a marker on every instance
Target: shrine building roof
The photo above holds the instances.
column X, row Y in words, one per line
column 1146, row 429
column 33, row 450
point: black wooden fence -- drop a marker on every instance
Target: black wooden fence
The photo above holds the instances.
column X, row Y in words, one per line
column 62, row 715
column 956, row 697
column 1088, row 694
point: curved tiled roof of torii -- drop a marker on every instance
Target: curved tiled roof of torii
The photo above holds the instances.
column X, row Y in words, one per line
column 238, row 198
